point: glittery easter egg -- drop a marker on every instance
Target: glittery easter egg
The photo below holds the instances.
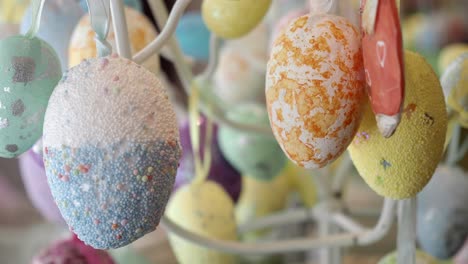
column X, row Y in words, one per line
column 35, row 181
column 111, row 150
column 135, row 4
column 421, row 258
column 140, row 32
column 399, row 167
column 220, row 171
column 258, row 156
column 233, row 19
column 193, row 36
column 72, row 251
column 29, row 72
column 315, row 88
column 204, row 209
column 57, row 34
column 442, row 226
column 449, row 53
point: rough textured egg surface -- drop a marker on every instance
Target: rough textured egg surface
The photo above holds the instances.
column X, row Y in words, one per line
column 111, row 150
column 205, row 209
column 400, row 166
column 315, row 88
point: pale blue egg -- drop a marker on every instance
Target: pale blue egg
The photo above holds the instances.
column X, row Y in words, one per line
column 194, row 36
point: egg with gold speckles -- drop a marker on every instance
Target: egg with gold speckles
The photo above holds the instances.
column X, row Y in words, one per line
column 207, row 210
column 111, row 150
column 256, row 155
column 29, row 72
column 315, row 88
column 233, row 19
column 140, row 32
column 399, row 167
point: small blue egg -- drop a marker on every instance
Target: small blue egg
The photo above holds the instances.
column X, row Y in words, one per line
column 194, row 36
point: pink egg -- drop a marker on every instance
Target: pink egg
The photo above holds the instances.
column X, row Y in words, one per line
column 315, row 88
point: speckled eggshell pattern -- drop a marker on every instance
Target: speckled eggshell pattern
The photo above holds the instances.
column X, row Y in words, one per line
column 315, row 88
column 29, row 72
column 258, row 156
column 140, row 32
column 111, row 150
column 204, row 209
column 400, row 166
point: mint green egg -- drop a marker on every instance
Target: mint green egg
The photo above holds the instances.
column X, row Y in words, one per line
column 29, row 72
column 255, row 155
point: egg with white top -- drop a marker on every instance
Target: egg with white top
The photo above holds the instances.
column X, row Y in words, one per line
column 111, row 150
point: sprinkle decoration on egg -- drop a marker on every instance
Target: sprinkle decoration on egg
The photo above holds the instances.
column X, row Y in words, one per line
column 111, row 150
column 315, row 88
column 400, row 166
column 29, row 72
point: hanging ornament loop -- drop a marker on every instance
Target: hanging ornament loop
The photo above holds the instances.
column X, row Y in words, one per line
column 36, row 8
column 321, row 6
column 99, row 13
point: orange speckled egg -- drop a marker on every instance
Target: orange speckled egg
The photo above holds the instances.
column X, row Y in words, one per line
column 315, row 88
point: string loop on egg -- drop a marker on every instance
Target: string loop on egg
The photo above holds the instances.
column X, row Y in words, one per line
column 100, row 19
column 37, row 6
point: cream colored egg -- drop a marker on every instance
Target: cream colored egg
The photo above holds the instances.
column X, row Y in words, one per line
column 140, row 31
column 449, row 53
column 207, row 210
column 315, row 88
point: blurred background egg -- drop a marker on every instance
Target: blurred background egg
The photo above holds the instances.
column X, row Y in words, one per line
column 140, row 32
column 111, row 142
column 11, row 11
column 8, row 30
column 29, row 72
column 443, row 213
column 57, row 23
column 204, row 209
column 233, row 19
column 35, row 181
column 449, row 53
column 135, row 4
column 193, row 36
column 400, row 166
column 315, row 88
column 421, row 258
column 220, row 171
column 255, row 155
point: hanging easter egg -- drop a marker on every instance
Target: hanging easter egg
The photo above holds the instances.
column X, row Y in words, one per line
column 140, row 32
column 233, row 19
column 258, row 156
column 449, row 53
column 442, row 226
column 35, row 181
column 315, row 88
column 421, row 258
column 193, row 36
column 11, row 11
column 58, row 21
column 135, row 4
column 399, row 167
column 29, row 72
column 220, row 171
column 72, row 251
column 111, row 150
column 204, row 209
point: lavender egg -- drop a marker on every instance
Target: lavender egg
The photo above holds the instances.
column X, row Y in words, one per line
column 111, row 150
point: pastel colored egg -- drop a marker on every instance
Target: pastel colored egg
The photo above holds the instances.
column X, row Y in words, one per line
column 111, row 150
column 35, row 181
column 204, row 209
column 193, row 36
column 421, row 258
column 443, row 213
column 256, row 155
column 233, row 19
column 57, row 23
column 220, row 171
column 315, row 88
column 135, row 4
column 72, row 251
column 399, row 167
column 449, row 53
column 29, row 72
column 140, row 32
column 8, row 30
column 11, row 11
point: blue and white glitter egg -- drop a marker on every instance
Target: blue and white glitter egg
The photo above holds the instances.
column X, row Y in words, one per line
column 111, row 150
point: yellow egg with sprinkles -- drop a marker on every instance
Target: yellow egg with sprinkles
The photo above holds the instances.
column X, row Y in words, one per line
column 400, row 166
column 140, row 32
column 315, row 88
